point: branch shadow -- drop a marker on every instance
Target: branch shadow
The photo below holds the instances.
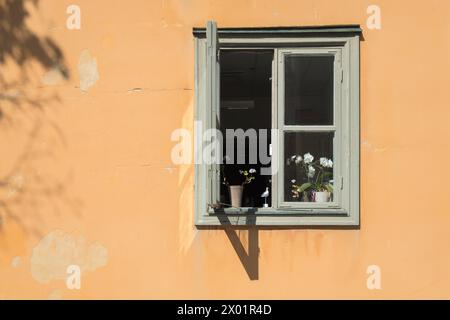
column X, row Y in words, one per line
column 21, row 46
column 23, row 105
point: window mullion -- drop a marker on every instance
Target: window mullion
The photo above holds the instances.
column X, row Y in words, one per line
column 275, row 136
column 291, row 128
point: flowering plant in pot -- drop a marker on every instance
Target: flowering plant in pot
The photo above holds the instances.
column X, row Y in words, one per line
column 236, row 190
column 316, row 185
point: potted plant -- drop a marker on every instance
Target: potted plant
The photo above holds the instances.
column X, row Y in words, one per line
column 316, row 185
column 236, row 191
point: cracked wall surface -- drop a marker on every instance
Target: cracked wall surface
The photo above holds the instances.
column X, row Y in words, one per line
column 86, row 176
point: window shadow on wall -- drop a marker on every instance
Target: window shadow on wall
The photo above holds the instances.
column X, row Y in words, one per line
column 249, row 256
column 249, row 253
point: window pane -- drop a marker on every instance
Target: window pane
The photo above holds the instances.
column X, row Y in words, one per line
column 309, row 90
column 308, row 166
column 245, row 104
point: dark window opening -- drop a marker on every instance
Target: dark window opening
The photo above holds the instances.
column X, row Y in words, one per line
column 245, row 103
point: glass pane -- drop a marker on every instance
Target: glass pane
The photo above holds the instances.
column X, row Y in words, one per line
column 309, row 90
column 308, row 167
column 246, row 104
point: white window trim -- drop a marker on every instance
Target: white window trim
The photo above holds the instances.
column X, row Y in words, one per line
column 344, row 212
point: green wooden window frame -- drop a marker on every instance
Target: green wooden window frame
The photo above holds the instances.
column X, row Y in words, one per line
column 342, row 42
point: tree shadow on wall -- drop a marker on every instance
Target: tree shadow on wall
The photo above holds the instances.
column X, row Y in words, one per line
column 22, row 46
column 24, row 107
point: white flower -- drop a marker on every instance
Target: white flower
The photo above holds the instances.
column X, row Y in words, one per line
column 330, row 164
column 298, row 159
column 293, row 157
column 326, row 163
column 293, row 181
column 252, row 170
column 311, row 171
column 308, row 157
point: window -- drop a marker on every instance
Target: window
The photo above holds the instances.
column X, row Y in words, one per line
column 283, row 102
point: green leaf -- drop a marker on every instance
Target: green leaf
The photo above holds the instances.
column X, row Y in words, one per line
column 304, row 186
column 329, row 188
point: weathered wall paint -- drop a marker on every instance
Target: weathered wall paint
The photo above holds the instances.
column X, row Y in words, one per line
column 52, row 256
column 87, row 70
column 96, row 161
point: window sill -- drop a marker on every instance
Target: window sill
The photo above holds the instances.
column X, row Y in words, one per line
column 280, row 212
column 277, row 218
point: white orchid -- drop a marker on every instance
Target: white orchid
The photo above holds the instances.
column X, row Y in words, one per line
column 316, row 174
column 252, row 170
column 326, row 163
column 308, row 158
column 311, row 171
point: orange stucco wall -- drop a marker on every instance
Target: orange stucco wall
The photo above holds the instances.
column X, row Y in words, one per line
column 87, row 179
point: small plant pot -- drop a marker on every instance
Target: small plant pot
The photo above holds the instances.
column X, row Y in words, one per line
column 321, row 196
column 236, row 195
column 305, row 196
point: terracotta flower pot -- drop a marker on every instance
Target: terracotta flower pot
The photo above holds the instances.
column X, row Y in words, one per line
column 236, row 195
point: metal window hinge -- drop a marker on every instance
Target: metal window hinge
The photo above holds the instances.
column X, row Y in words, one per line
column 342, row 182
column 342, row 75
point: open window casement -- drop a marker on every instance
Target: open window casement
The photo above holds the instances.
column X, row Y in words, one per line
column 213, row 104
column 299, row 85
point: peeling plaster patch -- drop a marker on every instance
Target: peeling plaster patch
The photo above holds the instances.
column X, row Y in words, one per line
column 369, row 146
column 55, row 295
column 15, row 262
column 57, row 250
column 10, row 95
column 52, row 77
column 170, row 169
column 14, row 184
column 87, row 70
